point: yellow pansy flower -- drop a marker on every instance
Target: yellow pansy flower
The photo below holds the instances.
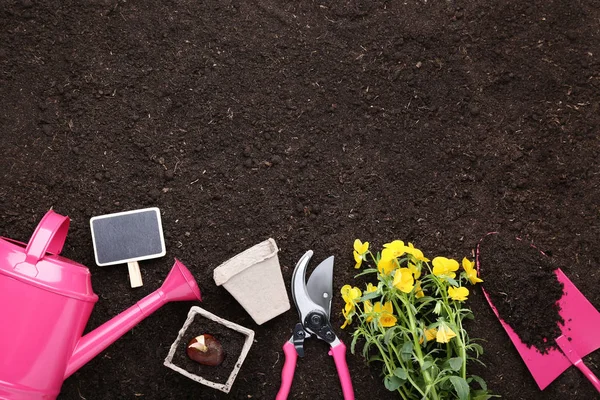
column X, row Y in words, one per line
column 360, row 252
column 396, row 247
column 387, row 263
column 444, row 267
column 418, row 290
column 383, row 313
column 469, row 267
column 404, row 280
column 416, row 271
column 386, row 314
column 370, row 288
column 387, row 307
column 348, row 309
column 346, row 323
column 360, row 247
column 386, row 320
column 368, row 308
column 428, row 334
column 444, row 333
column 348, row 312
column 350, row 294
column 416, row 253
column 458, row 293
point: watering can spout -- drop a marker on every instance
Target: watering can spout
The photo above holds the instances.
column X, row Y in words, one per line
column 178, row 286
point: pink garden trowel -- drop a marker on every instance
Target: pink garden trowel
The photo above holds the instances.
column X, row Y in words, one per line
column 581, row 318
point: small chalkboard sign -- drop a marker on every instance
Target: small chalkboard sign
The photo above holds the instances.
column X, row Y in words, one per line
column 128, row 237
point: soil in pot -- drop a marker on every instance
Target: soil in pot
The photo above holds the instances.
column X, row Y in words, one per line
column 521, row 283
column 231, row 340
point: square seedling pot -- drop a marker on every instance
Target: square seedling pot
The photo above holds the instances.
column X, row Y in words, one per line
column 235, row 339
column 253, row 277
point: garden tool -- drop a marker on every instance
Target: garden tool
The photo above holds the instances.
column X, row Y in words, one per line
column 577, row 339
column 45, row 303
column 313, row 302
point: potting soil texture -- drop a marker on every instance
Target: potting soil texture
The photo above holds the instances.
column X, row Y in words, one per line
column 522, row 285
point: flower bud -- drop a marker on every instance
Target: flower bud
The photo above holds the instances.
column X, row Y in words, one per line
column 438, row 308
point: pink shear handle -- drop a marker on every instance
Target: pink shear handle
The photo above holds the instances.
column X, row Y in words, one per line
column 287, row 373
column 565, row 346
column 339, row 357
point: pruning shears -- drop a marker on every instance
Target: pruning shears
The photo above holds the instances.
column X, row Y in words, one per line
column 313, row 302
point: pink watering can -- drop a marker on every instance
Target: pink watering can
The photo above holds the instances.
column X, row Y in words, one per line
column 45, row 303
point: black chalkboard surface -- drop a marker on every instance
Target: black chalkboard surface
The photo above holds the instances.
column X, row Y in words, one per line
column 128, row 237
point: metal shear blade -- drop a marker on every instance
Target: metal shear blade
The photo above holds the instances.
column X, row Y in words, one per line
column 317, row 293
column 313, row 302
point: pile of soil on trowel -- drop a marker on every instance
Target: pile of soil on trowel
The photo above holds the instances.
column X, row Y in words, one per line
column 521, row 283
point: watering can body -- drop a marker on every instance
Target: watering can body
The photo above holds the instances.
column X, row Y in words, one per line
column 45, row 303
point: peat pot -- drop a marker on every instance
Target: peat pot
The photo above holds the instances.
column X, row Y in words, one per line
column 254, row 279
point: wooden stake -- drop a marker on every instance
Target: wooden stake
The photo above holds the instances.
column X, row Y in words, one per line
column 135, row 276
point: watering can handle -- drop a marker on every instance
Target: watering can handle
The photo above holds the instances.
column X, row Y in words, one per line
column 48, row 237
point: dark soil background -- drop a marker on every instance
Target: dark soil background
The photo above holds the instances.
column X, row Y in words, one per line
column 313, row 123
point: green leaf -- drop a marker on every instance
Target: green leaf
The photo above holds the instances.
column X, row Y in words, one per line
column 400, row 373
column 369, row 296
column 392, row 383
column 353, row 343
column 426, row 365
column 389, row 335
column 375, row 358
column 366, row 271
column 461, row 386
column 412, row 307
column 425, row 300
column 367, row 347
column 455, row 363
column 480, row 381
column 406, row 351
column 445, row 386
column 377, row 257
column 481, row 395
column 451, row 281
column 476, row 348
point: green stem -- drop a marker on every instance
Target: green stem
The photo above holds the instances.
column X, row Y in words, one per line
column 402, row 393
column 430, row 386
column 410, row 379
column 389, row 368
column 455, row 319
column 461, row 344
